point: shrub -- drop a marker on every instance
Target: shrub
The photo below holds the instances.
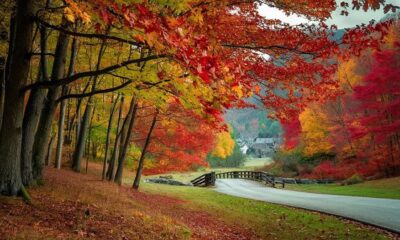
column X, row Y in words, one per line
column 356, row 178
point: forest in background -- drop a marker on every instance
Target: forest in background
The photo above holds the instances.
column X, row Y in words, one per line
column 357, row 133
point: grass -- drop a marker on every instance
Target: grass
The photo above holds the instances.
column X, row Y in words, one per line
column 80, row 206
column 269, row 221
column 257, row 162
column 384, row 188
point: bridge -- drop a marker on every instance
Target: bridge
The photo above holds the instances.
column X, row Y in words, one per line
column 209, row 179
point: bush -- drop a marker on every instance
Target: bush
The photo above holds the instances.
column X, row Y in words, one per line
column 356, row 178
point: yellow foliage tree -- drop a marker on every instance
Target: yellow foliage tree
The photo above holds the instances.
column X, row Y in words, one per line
column 315, row 131
column 224, row 145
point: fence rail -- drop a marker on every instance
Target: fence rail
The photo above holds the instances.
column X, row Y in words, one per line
column 208, row 179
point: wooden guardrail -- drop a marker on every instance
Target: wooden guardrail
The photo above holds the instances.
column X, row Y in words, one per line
column 204, row 180
column 209, row 178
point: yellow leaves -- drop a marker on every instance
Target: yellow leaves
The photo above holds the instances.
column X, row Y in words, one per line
column 238, row 90
column 347, row 74
column 314, row 125
column 69, row 15
column 393, row 35
column 152, row 41
column 74, row 11
column 85, row 18
column 224, row 145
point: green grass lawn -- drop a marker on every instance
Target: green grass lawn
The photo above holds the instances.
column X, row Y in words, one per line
column 257, row 162
column 269, row 221
column 384, row 188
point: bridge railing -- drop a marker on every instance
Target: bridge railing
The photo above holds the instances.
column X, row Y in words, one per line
column 209, row 178
column 205, row 180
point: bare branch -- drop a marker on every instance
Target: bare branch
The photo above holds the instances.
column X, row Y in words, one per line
column 82, row 95
column 67, row 80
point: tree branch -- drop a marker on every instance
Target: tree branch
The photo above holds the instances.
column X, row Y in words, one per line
column 82, row 95
column 87, row 35
column 67, row 80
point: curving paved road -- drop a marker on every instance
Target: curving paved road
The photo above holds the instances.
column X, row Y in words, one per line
column 376, row 211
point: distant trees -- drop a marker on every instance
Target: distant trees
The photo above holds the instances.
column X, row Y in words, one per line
column 231, row 156
column 361, row 127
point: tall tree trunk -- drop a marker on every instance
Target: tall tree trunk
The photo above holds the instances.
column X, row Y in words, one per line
column 139, row 170
column 50, row 151
column 2, row 87
column 60, row 136
column 111, row 165
column 89, row 140
column 60, row 140
column 81, row 141
column 43, row 133
column 122, row 157
column 11, row 136
column 110, row 120
column 32, row 114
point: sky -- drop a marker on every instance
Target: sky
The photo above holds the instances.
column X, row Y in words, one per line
column 354, row 18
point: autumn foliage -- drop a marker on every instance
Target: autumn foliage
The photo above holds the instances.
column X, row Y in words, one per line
column 361, row 127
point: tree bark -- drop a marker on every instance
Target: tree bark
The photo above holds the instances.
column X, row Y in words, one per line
column 139, row 170
column 2, row 88
column 50, row 151
column 43, row 133
column 60, row 140
column 60, row 136
column 32, row 115
column 124, row 150
column 110, row 120
column 89, row 140
column 11, row 136
column 111, row 165
column 81, row 142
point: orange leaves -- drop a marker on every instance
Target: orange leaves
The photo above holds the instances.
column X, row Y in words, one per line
column 74, row 11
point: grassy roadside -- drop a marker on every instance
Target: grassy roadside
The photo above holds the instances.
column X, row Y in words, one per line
column 384, row 188
column 269, row 221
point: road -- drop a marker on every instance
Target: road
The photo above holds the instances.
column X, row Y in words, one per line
column 376, row 211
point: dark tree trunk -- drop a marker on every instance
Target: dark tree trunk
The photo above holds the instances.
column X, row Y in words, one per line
column 125, row 146
column 110, row 120
column 81, row 142
column 11, row 136
column 43, row 133
column 2, row 87
column 89, row 140
column 139, row 170
column 50, row 151
column 60, row 139
column 111, row 165
column 32, row 114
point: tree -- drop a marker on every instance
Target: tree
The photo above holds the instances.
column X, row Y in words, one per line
column 11, row 136
column 379, row 96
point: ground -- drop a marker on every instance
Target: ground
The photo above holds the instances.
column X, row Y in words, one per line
column 80, row 206
column 383, row 188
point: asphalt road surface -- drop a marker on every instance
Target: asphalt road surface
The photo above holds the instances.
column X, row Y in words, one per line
column 376, row 211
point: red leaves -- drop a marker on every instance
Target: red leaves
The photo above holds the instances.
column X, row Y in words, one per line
column 292, row 132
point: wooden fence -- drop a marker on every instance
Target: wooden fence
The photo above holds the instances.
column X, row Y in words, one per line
column 208, row 179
